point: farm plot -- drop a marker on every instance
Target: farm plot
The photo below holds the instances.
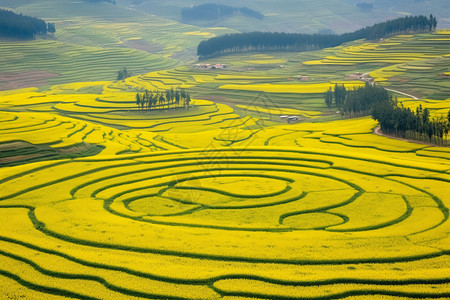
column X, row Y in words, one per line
column 289, row 88
column 395, row 50
column 28, row 137
column 227, row 222
column 222, row 200
column 73, row 63
column 90, row 45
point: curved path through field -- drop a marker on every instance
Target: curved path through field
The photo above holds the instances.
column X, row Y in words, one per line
column 402, row 93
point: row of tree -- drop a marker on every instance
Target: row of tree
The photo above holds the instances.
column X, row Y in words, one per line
column 408, row 24
column 23, row 27
column 159, row 100
column 403, row 122
column 338, row 96
column 279, row 41
column 357, row 102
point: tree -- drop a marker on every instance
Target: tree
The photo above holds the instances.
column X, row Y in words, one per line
column 187, row 101
column 177, row 97
column 329, row 98
column 51, row 28
column 432, row 22
column 161, row 99
column 138, row 99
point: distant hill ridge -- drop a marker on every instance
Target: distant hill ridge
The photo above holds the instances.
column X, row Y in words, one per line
column 212, row 11
column 280, row 41
column 110, row 1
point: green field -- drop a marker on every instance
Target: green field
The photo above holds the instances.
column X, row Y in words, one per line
column 223, row 200
column 93, row 41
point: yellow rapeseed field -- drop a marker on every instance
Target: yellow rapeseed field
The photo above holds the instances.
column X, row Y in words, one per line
column 312, row 88
column 100, row 199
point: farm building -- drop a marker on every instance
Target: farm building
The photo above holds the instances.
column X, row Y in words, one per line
column 288, row 119
column 302, row 77
column 210, row 66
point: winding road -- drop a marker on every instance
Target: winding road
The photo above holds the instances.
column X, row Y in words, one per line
column 395, row 91
column 405, row 94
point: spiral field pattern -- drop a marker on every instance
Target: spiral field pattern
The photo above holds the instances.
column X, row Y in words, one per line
column 227, row 222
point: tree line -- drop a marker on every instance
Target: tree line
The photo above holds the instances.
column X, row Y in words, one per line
column 393, row 119
column 403, row 122
column 280, row 41
column 159, row 100
column 23, row 27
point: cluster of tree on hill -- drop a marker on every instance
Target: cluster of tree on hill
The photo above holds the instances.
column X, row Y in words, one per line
column 395, row 120
column 211, row 11
column 408, row 24
column 24, row 27
column 159, row 100
column 123, row 74
column 403, row 122
column 279, row 41
column 357, row 102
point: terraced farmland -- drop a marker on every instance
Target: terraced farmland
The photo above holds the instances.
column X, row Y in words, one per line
column 70, row 63
column 93, row 42
column 101, row 200
column 174, row 225
column 233, row 210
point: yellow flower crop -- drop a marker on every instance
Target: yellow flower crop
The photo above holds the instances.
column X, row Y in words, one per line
column 224, row 200
column 313, row 88
column 279, row 111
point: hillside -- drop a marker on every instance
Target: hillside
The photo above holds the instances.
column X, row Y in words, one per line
column 146, row 37
column 280, row 41
column 229, row 178
column 306, row 16
column 226, row 200
column 91, row 45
